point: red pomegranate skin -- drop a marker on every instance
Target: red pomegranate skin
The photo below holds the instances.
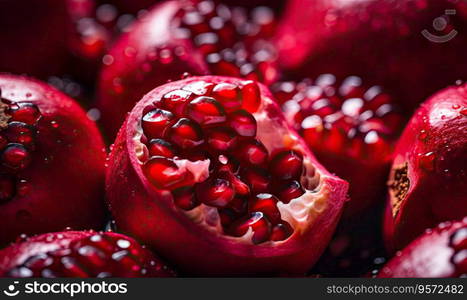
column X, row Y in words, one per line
column 149, row 214
column 80, row 254
column 58, row 182
column 428, row 179
column 377, row 39
column 33, row 35
column 438, row 253
column 154, row 52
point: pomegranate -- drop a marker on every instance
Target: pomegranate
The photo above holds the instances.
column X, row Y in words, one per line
column 33, row 35
column 206, row 171
column 80, row 254
column 411, row 47
column 428, row 178
column 51, row 161
column 440, row 252
column 350, row 127
column 178, row 37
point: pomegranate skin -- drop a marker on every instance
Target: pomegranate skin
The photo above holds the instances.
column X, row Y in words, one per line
column 432, row 255
column 152, row 53
column 33, row 35
column 59, row 245
column 153, row 218
column 377, row 39
column 63, row 184
column 428, row 180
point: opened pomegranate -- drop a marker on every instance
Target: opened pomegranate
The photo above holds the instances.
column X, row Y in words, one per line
column 350, row 127
column 33, row 36
column 80, row 254
column 51, row 161
column 439, row 252
column 179, row 37
column 428, row 178
column 207, row 172
column 411, row 47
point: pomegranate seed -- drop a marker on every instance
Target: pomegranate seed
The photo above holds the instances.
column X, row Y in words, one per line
column 243, row 123
column 286, row 165
column 199, row 88
column 459, row 260
column 3, row 142
column 458, row 239
column 221, row 139
column 185, row 134
column 281, row 232
column 162, row 172
column 257, row 222
column 227, row 163
column 229, row 95
column 251, row 96
column 289, row 191
column 155, row 122
column 216, row 192
column 239, row 186
column 238, row 205
column 175, row 101
column 25, row 112
column 185, row 198
column 160, row 147
column 252, row 152
column 267, row 204
column 206, row 111
column 7, row 188
column 19, row 132
column 258, row 179
column 15, row 156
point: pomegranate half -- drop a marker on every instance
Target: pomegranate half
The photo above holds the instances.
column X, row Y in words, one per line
column 207, row 172
column 428, row 179
column 80, row 254
column 51, row 161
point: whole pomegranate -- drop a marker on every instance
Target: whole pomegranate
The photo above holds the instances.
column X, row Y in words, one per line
column 350, row 127
column 440, row 252
column 178, row 37
column 411, row 47
column 207, row 172
column 428, row 178
column 51, row 161
column 33, row 36
column 80, row 254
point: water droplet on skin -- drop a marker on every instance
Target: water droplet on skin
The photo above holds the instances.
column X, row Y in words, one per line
column 23, row 187
column 54, row 124
column 427, row 160
column 423, row 135
column 456, row 106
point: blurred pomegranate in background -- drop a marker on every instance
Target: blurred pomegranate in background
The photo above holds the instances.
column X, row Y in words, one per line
column 439, row 252
column 428, row 179
column 411, row 47
column 33, row 37
column 177, row 37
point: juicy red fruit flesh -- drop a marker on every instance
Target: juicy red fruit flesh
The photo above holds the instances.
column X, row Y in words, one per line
column 350, row 127
column 223, row 107
column 80, row 254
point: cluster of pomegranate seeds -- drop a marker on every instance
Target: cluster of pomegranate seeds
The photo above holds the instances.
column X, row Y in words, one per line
column 344, row 118
column 99, row 255
column 214, row 124
column 232, row 44
column 18, row 129
column 458, row 241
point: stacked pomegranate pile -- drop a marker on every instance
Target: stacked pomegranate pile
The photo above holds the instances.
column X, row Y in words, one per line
column 213, row 112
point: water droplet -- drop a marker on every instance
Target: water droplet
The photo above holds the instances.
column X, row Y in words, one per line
column 427, row 160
